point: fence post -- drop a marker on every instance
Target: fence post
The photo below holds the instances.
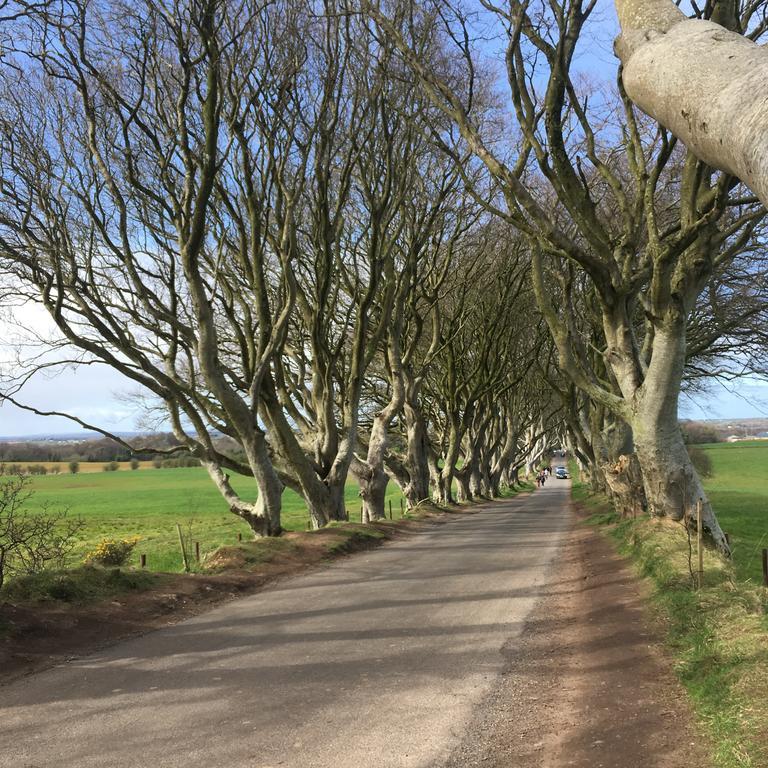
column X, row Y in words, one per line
column 700, row 541
column 143, row 561
column 197, row 551
column 183, row 549
column 390, row 509
column 765, row 567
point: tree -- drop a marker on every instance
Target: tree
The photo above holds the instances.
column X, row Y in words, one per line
column 644, row 224
column 702, row 79
column 152, row 164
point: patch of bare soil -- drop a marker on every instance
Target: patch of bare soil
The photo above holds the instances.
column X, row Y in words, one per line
column 588, row 684
column 35, row 636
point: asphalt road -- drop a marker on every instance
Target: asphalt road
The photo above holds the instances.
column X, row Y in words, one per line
column 377, row 661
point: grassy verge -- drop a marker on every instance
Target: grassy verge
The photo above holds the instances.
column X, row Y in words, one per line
column 78, row 585
column 88, row 584
column 82, row 583
column 718, row 634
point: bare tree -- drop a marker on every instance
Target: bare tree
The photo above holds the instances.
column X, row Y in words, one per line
column 148, row 179
column 646, row 225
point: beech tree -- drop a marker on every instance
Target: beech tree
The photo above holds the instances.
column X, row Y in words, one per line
column 703, row 79
column 490, row 335
column 151, row 162
column 646, row 225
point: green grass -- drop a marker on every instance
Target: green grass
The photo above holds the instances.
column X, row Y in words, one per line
column 719, row 634
column 150, row 503
column 78, row 584
column 738, row 491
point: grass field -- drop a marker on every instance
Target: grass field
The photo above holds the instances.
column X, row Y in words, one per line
column 150, row 503
column 738, row 491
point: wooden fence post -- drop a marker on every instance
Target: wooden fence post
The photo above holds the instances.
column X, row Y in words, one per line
column 143, row 561
column 197, row 551
column 700, row 541
column 390, row 509
column 183, row 549
column 765, row 567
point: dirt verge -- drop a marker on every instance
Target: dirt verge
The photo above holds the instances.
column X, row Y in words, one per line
column 588, row 684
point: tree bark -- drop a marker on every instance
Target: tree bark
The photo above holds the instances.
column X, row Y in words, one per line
column 463, row 489
column 417, row 460
column 703, row 82
column 672, row 486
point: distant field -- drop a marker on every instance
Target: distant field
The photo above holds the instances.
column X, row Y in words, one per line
column 62, row 467
column 150, row 503
column 739, row 492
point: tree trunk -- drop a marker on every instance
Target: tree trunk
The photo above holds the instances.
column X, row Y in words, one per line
column 327, row 505
column 475, row 483
column 444, row 488
column 463, row 491
column 624, row 482
column 703, row 82
column 373, row 492
column 263, row 515
column 494, row 484
column 672, row 486
column 417, row 459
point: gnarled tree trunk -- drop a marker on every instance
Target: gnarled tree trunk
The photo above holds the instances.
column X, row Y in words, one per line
column 703, row 82
column 672, row 486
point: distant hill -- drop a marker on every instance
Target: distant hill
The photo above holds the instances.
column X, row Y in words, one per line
column 714, row 430
column 63, row 437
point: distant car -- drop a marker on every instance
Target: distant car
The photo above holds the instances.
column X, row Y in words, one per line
column 561, row 473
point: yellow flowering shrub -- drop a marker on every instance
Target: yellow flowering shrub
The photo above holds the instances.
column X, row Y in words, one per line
column 112, row 551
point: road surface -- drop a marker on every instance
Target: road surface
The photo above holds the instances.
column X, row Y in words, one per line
column 378, row 661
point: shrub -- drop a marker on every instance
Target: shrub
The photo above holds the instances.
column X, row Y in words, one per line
column 31, row 542
column 698, row 432
column 701, row 461
column 74, row 467
column 37, row 469
column 112, row 552
column 111, row 466
column 54, row 469
column 157, row 462
column 135, row 463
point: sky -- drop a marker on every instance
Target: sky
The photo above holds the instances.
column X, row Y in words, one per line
column 97, row 394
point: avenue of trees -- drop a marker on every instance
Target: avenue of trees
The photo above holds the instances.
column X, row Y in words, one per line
column 398, row 242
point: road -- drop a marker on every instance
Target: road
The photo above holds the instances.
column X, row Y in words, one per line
column 377, row 661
